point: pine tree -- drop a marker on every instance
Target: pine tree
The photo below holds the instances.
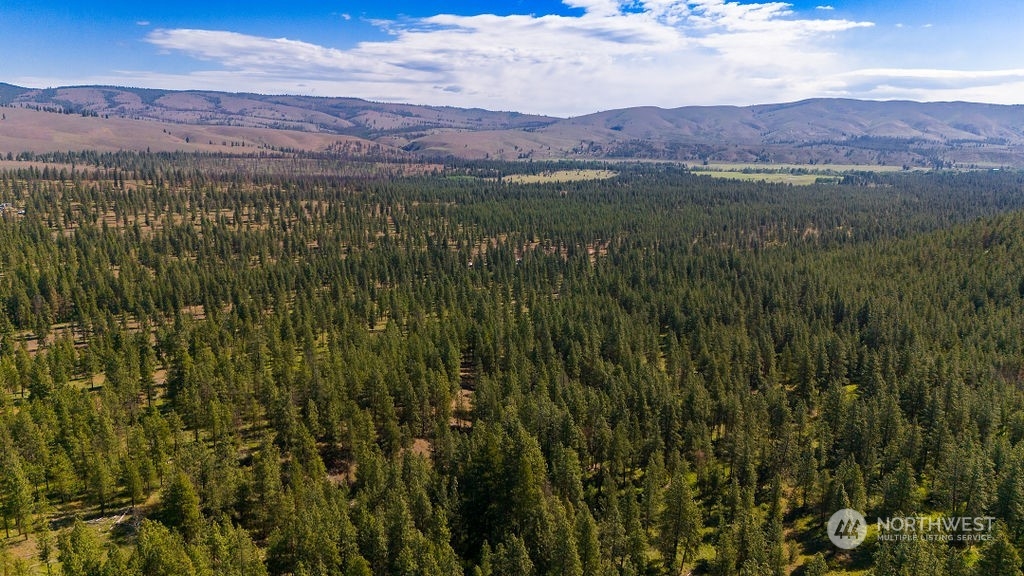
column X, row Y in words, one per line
column 133, row 482
column 635, row 535
column 15, row 491
column 160, row 552
column 566, row 558
column 100, row 480
column 45, row 545
column 654, row 478
column 180, row 507
column 80, row 553
column 816, row 566
column 999, row 557
column 726, row 554
column 62, row 476
column 512, row 559
column 681, row 525
column 116, row 564
column 587, row 541
column 899, row 491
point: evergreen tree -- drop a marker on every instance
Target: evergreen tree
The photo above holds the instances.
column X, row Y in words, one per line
column 512, row 559
column 80, row 553
column 816, row 566
column 999, row 557
column 180, row 507
column 160, row 552
column 15, row 491
column 587, row 542
column 681, row 525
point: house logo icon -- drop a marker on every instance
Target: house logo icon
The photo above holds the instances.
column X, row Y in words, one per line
column 847, row 529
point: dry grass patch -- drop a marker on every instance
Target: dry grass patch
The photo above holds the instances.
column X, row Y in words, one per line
column 772, row 177
column 796, row 174
column 560, row 176
column 818, row 168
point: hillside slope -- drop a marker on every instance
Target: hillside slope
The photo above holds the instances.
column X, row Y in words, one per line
column 810, row 131
column 26, row 130
column 350, row 116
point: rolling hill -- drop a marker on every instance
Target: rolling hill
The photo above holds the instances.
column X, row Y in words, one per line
column 810, row 131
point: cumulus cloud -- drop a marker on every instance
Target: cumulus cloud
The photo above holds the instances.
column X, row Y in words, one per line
column 615, row 53
column 995, row 86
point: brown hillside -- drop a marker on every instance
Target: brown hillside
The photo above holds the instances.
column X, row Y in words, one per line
column 29, row 130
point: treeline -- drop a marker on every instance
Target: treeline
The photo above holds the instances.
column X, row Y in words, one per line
column 446, row 374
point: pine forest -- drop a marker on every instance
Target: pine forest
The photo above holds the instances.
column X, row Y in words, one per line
column 301, row 365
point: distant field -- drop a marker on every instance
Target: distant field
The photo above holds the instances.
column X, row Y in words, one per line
column 817, row 168
column 797, row 174
column 774, row 177
column 560, row 176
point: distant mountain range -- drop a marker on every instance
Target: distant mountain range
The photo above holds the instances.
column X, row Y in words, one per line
column 831, row 131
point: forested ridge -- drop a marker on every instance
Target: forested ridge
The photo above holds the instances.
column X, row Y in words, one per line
column 359, row 372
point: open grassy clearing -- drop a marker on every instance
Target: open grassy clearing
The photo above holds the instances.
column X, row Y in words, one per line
column 560, row 176
column 797, row 174
column 780, row 178
column 817, row 168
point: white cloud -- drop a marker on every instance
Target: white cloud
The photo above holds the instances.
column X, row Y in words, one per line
column 661, row 52
column 267, row 58
column 824, row 7
column 617, row 53
column 595, row 7
column 934, row 84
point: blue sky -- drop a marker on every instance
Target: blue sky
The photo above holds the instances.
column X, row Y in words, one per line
column 540, row 56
